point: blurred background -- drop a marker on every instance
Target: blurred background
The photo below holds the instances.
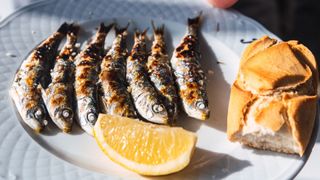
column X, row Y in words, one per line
column 289, row 19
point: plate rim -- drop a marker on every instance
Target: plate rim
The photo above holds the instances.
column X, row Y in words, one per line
column 299, row 165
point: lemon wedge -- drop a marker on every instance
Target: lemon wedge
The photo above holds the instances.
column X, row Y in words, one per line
column 144, row 148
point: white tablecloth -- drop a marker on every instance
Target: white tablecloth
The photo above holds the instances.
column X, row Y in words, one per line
column 310, row 171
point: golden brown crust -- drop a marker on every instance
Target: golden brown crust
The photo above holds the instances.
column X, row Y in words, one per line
column 257, row 46
column 304, row 54
column 239, row 100
column 288, row 72
column 274, row 67
column 301, row 116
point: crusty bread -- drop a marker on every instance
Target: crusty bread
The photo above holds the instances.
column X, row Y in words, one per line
column 273, row 99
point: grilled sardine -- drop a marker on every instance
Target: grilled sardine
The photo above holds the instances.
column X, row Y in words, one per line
column 58, row 95
column 115, row 99
column 86, row 77
column 34, row 70
column 160, row 72
column 189, row 75
column 145, row 97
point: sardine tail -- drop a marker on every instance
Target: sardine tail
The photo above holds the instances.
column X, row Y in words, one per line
column 195, row 22
column 73, row 29
column 120, row 30
column 157, row 30
column 105, row 29
column 140, row 35
column 63, row 28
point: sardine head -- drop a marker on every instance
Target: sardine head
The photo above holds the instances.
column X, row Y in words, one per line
column 88, row 119
column 157, row 114
column 92, row 116
column 36, row 117
column 64, row 118
column 198, row 110
column 88, row 114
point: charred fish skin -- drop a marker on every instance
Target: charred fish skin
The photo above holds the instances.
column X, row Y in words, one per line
column 189, row 75
column 86, row 78
column 160, row 72
column 58, row 95
column 25, row 90
column 145, row 96
column 115, row 98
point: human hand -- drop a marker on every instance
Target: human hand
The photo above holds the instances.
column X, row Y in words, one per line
column 222, row 3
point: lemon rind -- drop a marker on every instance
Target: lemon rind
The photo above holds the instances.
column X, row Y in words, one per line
column 150, row 170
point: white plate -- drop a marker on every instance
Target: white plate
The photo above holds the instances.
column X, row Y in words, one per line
column 78, row 155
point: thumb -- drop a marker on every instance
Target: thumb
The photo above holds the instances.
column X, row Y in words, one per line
column 222, row 3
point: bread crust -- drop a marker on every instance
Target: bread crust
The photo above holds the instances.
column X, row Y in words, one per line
column 301, row 116
column 240, row 100
column 274, row 68
column 257, row 46
column 286, row 74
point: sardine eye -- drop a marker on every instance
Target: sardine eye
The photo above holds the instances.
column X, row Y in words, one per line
column 157, row 108
column 91, row 116
column 140, row 84
column 66, row 113
column 201, row 105
column 38, row 113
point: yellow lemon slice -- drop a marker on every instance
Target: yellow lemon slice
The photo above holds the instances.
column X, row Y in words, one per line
column 145, row 148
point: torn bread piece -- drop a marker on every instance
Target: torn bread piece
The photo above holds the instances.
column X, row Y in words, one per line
column 273, row 100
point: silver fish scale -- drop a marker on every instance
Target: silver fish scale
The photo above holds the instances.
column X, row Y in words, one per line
column 115, row 98
column 57, row 96
column 146, row 98
column 25, row 89
column 189, row 71
column 62, row 70
column 189, row 75
column 86, row 78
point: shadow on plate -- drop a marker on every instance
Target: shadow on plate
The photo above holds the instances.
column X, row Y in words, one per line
column 217, row 88
column 208, row 165
column 218, row 91
column 51, row 129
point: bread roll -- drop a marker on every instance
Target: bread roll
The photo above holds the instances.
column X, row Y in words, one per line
column 274, row 97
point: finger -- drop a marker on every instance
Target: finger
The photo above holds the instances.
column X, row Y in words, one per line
column 222, row 3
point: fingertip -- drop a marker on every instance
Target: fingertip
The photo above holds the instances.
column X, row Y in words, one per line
column 223, row 4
